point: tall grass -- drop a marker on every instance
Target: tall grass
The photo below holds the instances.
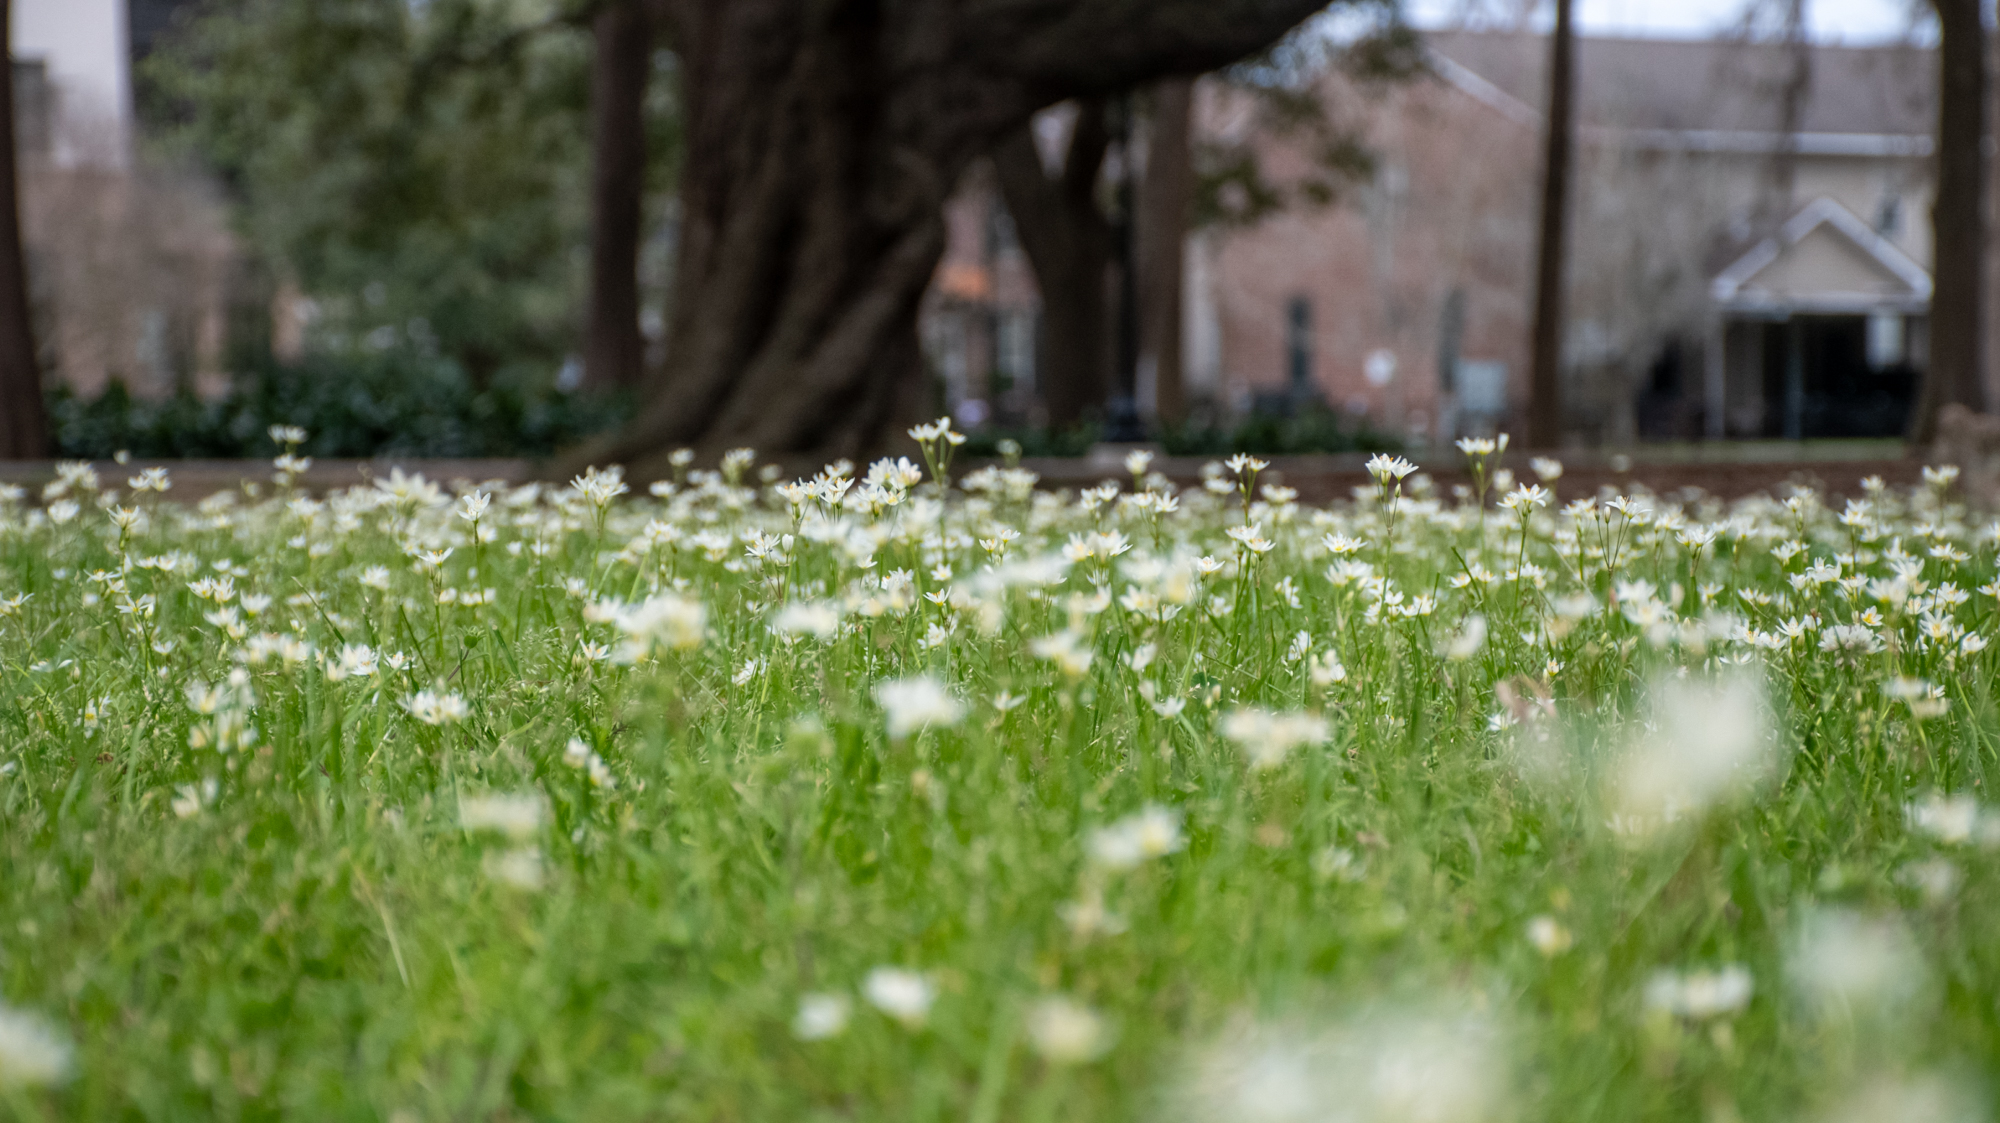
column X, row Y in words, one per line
column 901, row 797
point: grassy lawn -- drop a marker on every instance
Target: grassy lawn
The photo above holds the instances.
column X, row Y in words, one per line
column 859, row 799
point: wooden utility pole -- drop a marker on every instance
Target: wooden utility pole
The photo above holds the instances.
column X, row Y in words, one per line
column 1955, row 373
column 1545, row 374
column 24, row 424
column 1166, row 203
column 614, row 351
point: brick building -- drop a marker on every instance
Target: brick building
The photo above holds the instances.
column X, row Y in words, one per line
column 130, row 264
column 1750, row 247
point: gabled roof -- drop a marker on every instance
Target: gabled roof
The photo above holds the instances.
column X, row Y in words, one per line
column 1709, row 95
column 1755, row 281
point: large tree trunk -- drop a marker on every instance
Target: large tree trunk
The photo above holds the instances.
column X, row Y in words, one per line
column 822, row 140
column 1955, row 372
column 1545, row 371
column 1069, row 244
column 1166, row 200
column 614, row 352
column 24, row 426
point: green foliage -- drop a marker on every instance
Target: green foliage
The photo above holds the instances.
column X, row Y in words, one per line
column 1266, row 434
column 1032, row 441
column 1272, row 434
column 412, row 166
column 359, row 405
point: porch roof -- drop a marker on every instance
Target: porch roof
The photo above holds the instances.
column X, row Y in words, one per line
column 1824, row 259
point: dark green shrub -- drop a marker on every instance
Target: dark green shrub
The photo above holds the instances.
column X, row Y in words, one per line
column 354, row 405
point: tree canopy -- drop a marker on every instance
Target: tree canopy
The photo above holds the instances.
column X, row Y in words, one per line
column 416, row 169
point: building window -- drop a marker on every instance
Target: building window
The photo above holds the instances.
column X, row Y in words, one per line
column 1016, row 350
column 1298, row 346
column 1000, row 237
column 1889, row 215
column 34, row 109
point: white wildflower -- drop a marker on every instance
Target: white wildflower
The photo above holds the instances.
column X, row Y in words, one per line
column 914, row 703
column 516, row 815
column 31, row 1052
column 516, row 868
column 1700, row 995
column 903, row 995
column 1066, row 1031
column 432, row 708
column 1267, row 738
column 1153, row 832
column 821, row 1016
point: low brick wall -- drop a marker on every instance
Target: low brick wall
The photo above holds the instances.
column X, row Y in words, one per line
column 194, row 479
column 1752, row 469
column 1322, row 478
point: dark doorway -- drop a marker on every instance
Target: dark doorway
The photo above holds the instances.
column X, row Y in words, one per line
column 1669, row 403
column 1818, row 381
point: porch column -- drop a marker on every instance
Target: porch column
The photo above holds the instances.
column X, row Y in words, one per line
column 1795, row 378
column 1715, row 380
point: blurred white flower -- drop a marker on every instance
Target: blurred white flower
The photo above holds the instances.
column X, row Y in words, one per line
column 1066, row 1031
column 1700, row 995
column 1706, row 741
column 517, row 868
column 1548, row 936
column 1466, row 642
column 1338, row 863
column 1152, row 832
column 1937, row 879
column 1267, row 737
column 903, row 995
column 1067, row 650
column 1919, row 1097
column 1950, row 819
column 1391, row 1067
column 1325, row 669
column 821, row 1016
column 914, row 703
column 807, row 618
column 31, row 1052
column 189, row 799
column 665, row 620
column 1844, row 959
column 516, row 815
column 1087, row 916
column 433, row 708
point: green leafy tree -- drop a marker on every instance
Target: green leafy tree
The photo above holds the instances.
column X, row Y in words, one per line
column 419, row 170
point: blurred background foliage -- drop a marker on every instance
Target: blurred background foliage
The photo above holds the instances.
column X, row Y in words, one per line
column 392, row 403
column 1307, row 431
column 418, row 169
column 408, row 182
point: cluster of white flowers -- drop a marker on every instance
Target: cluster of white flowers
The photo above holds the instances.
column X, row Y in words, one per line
column 1631, row 656
column 913, row 704
column 1374, row 1066
column 1268, row 738
column 1700, row 995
